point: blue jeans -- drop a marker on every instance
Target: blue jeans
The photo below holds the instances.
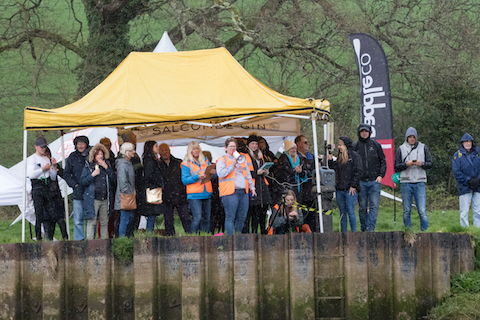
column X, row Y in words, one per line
column 417, row 190
column 465, row 200
column 236, row 208
column 369, row 196
column 151, row 223
column 78, row 223
column 126, row 217
column 346, row 203
column 200, row 209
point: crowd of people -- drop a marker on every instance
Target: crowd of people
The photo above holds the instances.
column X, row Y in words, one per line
column 234, row 194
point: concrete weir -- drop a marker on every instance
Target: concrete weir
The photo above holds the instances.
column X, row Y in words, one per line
column 297, row 276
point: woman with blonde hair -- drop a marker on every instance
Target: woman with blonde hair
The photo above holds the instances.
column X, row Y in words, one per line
column 286, row 216
column 289, row 171
column 125, row 184
column 199, row 187
column 348, row 171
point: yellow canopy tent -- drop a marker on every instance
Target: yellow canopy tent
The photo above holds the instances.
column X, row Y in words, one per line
column 146, row 88
column 203, row 87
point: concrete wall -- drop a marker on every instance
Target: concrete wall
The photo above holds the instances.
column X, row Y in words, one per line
column 297, row 276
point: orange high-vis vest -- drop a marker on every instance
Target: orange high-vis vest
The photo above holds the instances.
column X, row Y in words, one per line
column 249, row 162
column 226, row 185
column 197, row 187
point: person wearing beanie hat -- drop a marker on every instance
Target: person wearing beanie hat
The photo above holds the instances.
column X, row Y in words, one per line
column 348, row 171
column 73, row 171
column 290, row 173
column 374, row 169
column 251, row 138
column 411, row 160
column 258, row 206
column 81, row 139
column 287, row 145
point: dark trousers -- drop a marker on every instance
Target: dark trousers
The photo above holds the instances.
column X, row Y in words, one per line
column 113, row 223
column 43, row 204
column 310, row 217
column 184, row 214
column 217, row 219
column 63, row 228
column 257, row 215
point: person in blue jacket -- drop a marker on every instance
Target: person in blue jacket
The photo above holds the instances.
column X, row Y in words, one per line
column 194, row 168
column 466, row 169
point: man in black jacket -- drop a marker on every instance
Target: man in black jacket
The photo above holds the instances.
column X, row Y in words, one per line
column 174, row 192
column 374, row 168
column 73, row 171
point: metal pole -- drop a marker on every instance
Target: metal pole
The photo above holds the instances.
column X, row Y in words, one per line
column 395, row 207
column 317, row 170
column 24, row 195
column 65, row 186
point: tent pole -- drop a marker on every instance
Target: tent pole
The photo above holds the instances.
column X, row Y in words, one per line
column 24, row 195
column 65, row 187
column 317, row 170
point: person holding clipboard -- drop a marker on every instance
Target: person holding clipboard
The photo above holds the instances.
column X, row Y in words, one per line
column 196, row 174
column 258, row 205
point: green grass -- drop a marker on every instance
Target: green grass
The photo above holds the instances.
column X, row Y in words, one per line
column 463, row 299
column 438, row 220
column 13, row 234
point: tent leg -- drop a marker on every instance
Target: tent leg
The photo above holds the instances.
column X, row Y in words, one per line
column 395, row 208
column 65, row 187
column 24, row 195
column 317, row 171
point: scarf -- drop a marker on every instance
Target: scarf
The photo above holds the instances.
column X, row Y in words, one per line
column 298, row 180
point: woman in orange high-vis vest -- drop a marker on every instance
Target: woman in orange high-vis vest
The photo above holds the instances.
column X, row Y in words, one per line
column 258, row 206
column 194, row 175
column 234, row 183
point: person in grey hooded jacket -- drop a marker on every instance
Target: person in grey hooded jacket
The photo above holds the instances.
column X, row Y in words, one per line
column 411, row 160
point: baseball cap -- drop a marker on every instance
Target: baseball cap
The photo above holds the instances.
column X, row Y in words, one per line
column 41, row 142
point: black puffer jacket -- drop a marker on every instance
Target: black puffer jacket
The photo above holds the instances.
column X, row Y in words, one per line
column 263, row 193
column 153, row 179
column 73, row 172
column 371, row 152
column 174, row 192
column 347, row 174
